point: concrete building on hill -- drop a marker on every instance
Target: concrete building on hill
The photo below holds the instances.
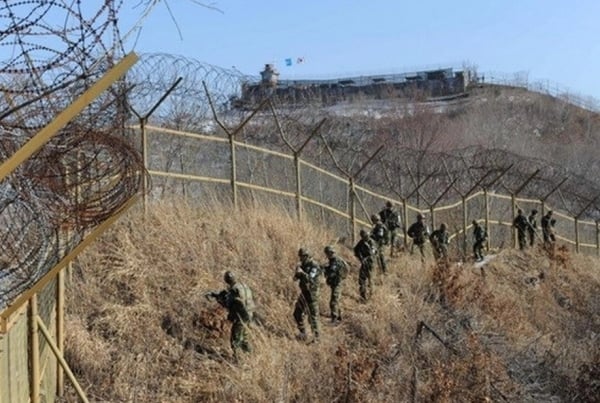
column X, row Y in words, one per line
column 420, row 84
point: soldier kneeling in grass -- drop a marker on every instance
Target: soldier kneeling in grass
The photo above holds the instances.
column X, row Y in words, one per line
column 238, row 301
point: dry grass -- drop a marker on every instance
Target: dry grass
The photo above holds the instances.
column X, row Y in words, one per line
column 525, row 328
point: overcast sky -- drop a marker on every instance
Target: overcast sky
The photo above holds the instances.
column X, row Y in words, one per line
column 550, row 40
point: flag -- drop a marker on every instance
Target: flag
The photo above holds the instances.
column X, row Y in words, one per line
column 288, row 62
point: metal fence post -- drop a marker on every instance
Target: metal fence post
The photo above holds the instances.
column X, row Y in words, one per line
column 352, row 211
column 598, row 238
column 405, row 223
column 464, row 224
column 144, row 150
column 34, row 350
column 233, row 179
column 576, row 222
column 513, row 211
column 60, row 329
column 486, row 206
column 298, row 187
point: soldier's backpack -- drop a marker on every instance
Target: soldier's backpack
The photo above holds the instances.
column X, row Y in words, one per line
column 244, row 302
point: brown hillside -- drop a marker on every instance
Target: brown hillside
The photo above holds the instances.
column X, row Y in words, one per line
column 523, row 328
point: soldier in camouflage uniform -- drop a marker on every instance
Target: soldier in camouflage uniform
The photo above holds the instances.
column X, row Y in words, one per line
column 532, row 228
column 336, row 271
column 308, row 274
column 439, row 242
column 522, row 225
column 365, row 250
column 379, row 233
column 391, row 219
column 479, row 238
column 419, row 232
column 239, row 302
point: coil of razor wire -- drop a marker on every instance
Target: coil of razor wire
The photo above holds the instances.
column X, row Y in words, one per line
column 51, row 52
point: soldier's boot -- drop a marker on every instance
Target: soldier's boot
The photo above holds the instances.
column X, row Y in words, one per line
column 301, row 332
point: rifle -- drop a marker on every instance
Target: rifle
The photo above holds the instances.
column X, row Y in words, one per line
column 220, row 297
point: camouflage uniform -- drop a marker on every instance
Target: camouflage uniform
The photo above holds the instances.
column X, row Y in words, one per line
column 532, row 228
column 479, row 237
column 364, row 251
column 239, row 302
column 419, row 232
column 335, row 273
column 521, row 224
column 548, row 228
column 379, row 234
column 308, row 274
column 439, row 242
column 391, row 219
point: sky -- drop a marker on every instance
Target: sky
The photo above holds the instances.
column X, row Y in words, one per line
column 557, row 42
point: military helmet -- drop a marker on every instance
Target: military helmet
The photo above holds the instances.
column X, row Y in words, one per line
column 420, row 216
column 534, row 211
column 388, row 204
column 329, row 250
column 229, row 277
column 519, row 211
column 303, row 252
column 375, row 218
column 474, row 222
column 363, row 233
column 443, row 226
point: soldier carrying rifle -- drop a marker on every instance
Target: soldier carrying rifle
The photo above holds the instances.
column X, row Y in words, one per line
column 365, row 251
column 238, row 301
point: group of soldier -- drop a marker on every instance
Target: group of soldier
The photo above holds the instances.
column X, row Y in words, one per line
column 527, row 228
column 369, row 250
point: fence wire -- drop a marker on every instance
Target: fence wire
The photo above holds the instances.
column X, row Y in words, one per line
column 87, row 171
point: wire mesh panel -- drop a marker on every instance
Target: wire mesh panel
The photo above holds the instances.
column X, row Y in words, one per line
column 325, row 197
column 262, row 167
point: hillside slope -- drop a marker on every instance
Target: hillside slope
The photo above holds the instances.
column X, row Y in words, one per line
column 523, row 328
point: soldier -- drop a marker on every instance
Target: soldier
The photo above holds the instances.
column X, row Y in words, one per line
column 391, row 219
column 419, row 232
column 439, row 242
column 238, row 301
column 380, row 236
column 336, row 272
column 532, row 228
column 479, row 237
column 364, row 251
column 308, row 274
column 521, row 224
column 548, row 228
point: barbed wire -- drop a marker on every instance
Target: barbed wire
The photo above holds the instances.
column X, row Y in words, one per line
column 52, row 52
column 157, row 72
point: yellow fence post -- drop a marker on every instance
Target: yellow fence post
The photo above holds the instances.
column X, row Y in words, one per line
column 513, row 211
column 465, row 224
column 61, row 360
column 576, row 223
column 144, row 150
column 352, row 211
column 34, row 350
column 60, row 329
column 405, row 223
column 298, row 187
column 44, row 135
column 598, row 238
column 486, row 206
